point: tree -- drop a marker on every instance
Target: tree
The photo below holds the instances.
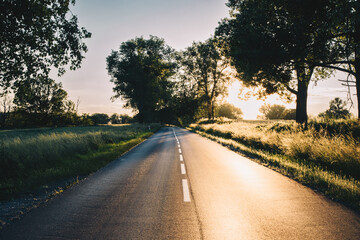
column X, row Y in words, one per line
column 230, row 111
column 41, row 96
column 115, row 119
column 125, row 118
column 141, row 71
column 36, row 36
column 5, row 108
column 273, row 111
column 277, row 44
column 336, row 110
column 344, row 26
column 186, row 100
column 204, row 64
column 100, row 118
column 289, row 114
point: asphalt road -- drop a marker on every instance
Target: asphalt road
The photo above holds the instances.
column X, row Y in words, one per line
column 178, row 185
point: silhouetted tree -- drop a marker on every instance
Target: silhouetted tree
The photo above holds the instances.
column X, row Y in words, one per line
column 277, row 44
column 100, row 118
column 141, row 71
column 344, row 25
column 336, row 110
column 186, row 100
column 126, row 118
column 40, row 96
column 115, row 118
column 204, row 64
column 36, row 36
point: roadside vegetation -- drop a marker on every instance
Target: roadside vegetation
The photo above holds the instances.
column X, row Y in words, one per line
column 33, row 158
column 325, row 157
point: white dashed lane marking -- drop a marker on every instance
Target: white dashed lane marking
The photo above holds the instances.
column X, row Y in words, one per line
column 183, row 171
column 186, row 190
column 185, row 184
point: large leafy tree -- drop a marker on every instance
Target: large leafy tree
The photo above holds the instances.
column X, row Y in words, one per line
column 141, row 71
column 204, row 66
column 277, row 44
column 185, row 102
column 344, row 24
column 36, row 36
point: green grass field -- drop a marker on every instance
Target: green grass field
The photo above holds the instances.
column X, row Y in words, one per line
column 32, row 158
column 325, row 157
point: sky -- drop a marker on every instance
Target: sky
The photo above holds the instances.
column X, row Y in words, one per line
column 112, row 22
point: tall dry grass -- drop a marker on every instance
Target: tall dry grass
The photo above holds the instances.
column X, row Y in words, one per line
column 326, row 156
column 338, row 152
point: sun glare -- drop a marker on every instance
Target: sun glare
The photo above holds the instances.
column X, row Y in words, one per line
column 250, row 106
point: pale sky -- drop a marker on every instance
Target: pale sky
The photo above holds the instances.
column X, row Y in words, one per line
column 112, row 22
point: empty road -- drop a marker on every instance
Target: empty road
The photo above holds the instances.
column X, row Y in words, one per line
column 178, row 185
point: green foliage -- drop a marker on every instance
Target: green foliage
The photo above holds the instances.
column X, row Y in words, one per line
column 272, row 111
column 346, row 128
column 289, row 114
column 100, row 118
column 229, row 111
column 39, row 103
column 336, row 110
column 203, row 69
column 33, row 157
column 141, row 71
column 37, row 36
column 41, row 96
column 276, row 111
column 115, row 119
column 126, row 118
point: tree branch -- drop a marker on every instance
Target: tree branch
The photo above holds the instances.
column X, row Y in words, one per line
column 291, row 90
column 336, row 68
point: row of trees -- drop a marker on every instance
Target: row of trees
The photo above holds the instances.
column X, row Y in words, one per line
column 280, row 44
column 169, row 86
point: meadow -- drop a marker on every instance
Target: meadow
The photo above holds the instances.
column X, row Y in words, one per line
column 34, row 158
column 326, row 156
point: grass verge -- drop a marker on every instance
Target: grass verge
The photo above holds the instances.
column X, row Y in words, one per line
column 33, row 160
column 342, row 188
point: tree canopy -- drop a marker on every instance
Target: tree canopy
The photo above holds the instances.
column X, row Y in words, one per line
column 40, row 96
column 271, row 43
column 277, row 111
column 141, row 70
column 36, row 36
column 344, row 26
column 203, row 66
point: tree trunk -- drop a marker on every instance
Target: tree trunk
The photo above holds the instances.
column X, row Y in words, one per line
column 209, row 110
column 357, row 55
column 301, row 102
column 212, row 111
column 357, row 83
